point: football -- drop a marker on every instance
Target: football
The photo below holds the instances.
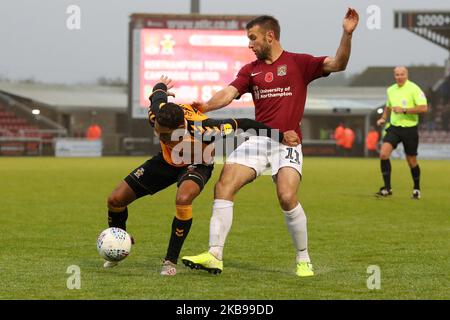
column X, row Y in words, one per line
column 114, row 244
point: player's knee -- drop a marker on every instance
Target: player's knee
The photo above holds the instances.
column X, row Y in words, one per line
column 184, row 198
column 412, row 161
column 287, row 199
column 224, row 190
column 385, row 152
column 115, row 202
column 384, row 155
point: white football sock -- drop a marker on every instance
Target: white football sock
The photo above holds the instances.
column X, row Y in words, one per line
column 296, row 223
column 220, row 225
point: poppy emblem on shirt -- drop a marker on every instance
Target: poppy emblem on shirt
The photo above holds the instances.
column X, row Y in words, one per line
column 268, row 77
column 282, row 70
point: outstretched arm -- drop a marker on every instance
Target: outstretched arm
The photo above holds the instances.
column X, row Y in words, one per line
column 339, row 62
column 219, row 100
column 226, row 127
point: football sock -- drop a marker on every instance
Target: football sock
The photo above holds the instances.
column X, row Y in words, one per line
column 415, row 172
column 386, row 172
column 296, row 223
column 118, row 219
column 180, row 231
column 220, row 225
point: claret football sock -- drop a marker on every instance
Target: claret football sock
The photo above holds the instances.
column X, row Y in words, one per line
column 118, row 219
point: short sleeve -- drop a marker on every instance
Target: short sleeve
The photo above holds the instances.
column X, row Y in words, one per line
column 242, row 81
column 311, row 66
column 419, row 97
column 388, row 100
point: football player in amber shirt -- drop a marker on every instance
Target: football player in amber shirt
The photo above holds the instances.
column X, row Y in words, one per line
column 187, row 150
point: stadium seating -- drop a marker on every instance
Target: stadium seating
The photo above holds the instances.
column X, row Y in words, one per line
column 13, row 126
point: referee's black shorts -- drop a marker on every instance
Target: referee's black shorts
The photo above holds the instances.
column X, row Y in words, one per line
column 156, row 174
column 409, row 136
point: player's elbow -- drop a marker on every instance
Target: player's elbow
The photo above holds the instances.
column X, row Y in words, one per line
column 335, row 65
column 341, row 66
column 219, row 100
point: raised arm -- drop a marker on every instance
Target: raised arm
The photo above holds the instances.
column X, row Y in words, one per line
column 159, row 96
column 340, row 60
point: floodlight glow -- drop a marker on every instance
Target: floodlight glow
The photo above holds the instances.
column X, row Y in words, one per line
column 36, row 111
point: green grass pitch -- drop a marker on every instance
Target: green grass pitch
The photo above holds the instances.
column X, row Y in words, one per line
column 51, row 211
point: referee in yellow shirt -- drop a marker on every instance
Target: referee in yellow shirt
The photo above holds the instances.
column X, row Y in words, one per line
column 405, row 100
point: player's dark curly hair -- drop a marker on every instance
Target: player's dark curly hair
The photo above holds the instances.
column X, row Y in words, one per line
column 170, row 116
column 268, row 23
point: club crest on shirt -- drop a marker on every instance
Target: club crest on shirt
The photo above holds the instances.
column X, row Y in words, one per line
column 139, row 172
column 282, row 70
column 268, row 77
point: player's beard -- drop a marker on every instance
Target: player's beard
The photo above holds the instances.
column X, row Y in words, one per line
column 264, row 53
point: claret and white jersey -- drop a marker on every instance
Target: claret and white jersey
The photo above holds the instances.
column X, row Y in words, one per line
column 279, row 89
column 279, row 94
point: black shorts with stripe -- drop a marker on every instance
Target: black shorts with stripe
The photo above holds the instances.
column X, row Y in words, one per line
column 156, row 174
column 409, row 136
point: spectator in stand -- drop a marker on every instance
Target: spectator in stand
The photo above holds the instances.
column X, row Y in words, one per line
column 339, row 137
column 349, row 139
column 372, row 142
column 94, row 132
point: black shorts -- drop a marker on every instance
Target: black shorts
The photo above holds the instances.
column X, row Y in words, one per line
column 156, row 174
column 409, row 136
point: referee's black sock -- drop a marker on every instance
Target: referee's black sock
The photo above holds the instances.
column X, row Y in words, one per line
column 386, row 172
column 118, row 219
column 415, row 172
column 180, row 231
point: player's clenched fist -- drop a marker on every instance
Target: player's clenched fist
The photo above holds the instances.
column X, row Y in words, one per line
column 291, row 138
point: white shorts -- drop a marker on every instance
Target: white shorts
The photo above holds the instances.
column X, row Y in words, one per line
column 262, row 153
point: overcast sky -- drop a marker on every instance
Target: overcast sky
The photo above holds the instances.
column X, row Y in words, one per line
column 35, row 42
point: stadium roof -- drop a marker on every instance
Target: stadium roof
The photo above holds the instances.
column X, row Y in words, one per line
column 328, row 100
column 360, row 100
column 424, row 76
column 69, row 97
column 349, row 100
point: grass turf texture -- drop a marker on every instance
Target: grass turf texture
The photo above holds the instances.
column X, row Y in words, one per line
column 53, row 209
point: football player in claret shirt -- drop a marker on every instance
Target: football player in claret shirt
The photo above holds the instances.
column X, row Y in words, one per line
column 278, row 82
column 186, row 136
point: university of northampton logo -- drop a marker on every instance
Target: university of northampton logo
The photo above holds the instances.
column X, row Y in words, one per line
column 282, row 70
